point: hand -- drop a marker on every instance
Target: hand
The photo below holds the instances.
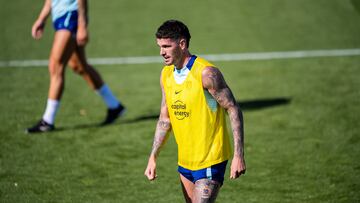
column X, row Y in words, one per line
column 82, row 36
column 150, row 171
column 37, row 29
column 238, row 167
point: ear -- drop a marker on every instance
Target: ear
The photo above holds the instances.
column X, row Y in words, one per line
column 182, row 44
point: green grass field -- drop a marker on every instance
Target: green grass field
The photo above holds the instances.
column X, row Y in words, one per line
column 302, row 116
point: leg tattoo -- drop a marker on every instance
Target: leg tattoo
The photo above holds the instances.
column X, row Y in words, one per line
column 206, row 191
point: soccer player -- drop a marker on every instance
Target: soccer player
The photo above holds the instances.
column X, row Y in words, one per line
column 70, row 20
column 195, row 97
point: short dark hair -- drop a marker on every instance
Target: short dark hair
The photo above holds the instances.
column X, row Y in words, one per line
column 174, row 29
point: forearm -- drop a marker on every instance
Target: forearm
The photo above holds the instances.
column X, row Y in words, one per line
column 163, row 128
column 45, row 11
column 82, row 13
column 237, row 125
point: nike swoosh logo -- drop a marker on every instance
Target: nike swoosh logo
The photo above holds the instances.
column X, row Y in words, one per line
column 177, row 92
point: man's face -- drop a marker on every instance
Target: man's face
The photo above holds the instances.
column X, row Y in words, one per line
column 170, row 50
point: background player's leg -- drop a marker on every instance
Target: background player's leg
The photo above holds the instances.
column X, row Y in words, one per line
column 79, row 64
column 61, row 50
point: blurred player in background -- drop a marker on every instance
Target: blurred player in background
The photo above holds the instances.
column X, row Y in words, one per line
column 195, row 97
column 70, row 20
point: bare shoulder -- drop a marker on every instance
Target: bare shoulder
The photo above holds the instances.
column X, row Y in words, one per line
column 209, row 70
column 212, row 78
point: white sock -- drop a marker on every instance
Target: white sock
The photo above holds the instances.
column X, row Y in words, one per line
column 108, row 97
column 51, row 108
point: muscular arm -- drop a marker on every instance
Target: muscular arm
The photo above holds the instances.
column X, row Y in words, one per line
column 82, row 33
column 214, row 82
column 38, row 27
column 163, row 128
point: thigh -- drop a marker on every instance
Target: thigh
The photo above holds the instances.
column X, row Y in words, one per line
column 187, row 188
column 62, row 48
column 206, row 190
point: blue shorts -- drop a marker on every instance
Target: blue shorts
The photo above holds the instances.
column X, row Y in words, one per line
column 215, row 172
column 69, row 21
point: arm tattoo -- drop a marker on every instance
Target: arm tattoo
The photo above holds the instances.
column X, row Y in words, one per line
column 216, row 85
column 162, row 129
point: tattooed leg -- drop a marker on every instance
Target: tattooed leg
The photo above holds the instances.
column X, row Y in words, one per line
column 206, row 191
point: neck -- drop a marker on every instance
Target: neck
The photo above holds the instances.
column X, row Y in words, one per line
column 183, row 61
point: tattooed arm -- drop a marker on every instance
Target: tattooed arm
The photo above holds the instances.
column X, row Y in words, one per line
column 214, row 82
column 163, row 128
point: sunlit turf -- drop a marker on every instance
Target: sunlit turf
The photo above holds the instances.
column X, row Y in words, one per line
column 303, row 150
column 301, row 115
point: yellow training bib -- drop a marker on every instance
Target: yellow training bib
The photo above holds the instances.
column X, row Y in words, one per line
column 197, row 120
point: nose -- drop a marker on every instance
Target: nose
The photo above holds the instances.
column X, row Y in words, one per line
column 162, row 52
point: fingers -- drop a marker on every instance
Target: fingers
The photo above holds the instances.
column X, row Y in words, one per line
column 82, row 36
column 35, row 33
column 236, row 173
column 150, row 174
column 81, row 41
column 237, row 168
column 37, row 30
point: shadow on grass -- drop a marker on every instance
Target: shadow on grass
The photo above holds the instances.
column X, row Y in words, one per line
column 81, row 126
column 250, row 105
column 356, row 4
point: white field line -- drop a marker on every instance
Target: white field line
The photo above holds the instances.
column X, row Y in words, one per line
column 210, row 57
